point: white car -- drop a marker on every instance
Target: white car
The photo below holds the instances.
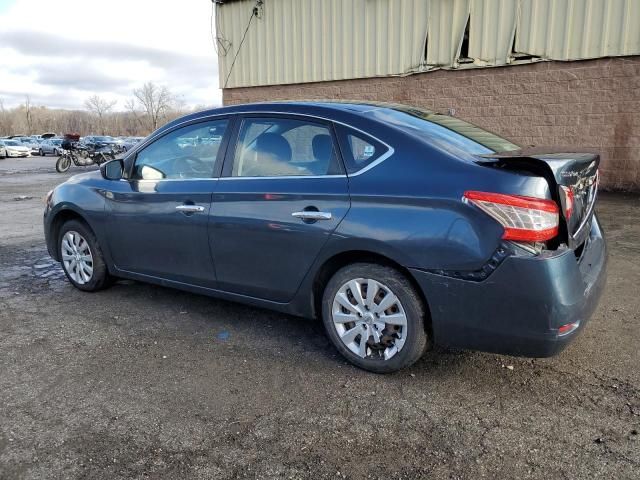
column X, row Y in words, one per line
column 13, row 148
column 32, row 143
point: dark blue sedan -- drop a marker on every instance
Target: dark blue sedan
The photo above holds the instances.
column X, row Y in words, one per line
column 401, row 228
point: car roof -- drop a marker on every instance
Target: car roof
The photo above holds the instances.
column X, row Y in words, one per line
column 337, row 110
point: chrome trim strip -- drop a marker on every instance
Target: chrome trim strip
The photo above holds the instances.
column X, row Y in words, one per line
column 199, row 179
column 382, row 158
column 283, row 177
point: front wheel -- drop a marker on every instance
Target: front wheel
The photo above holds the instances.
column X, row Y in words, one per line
column 63, row 164
column 81, row 257
column 374, row 317
column 41, row 153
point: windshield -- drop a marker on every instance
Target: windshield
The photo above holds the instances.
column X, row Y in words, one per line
column 57, row 141
column 450, row 130
column 11, row 143
column 102, row 139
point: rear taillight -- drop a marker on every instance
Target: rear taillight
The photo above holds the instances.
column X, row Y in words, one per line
column 525, row 219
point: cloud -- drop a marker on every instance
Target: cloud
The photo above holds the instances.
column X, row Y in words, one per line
column 47, row 44
column 108, row 50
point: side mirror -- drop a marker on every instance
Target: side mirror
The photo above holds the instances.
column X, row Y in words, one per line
column 112, row 170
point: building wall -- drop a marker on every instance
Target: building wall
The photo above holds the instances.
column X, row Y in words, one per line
column 589, row 104
column 298, row 41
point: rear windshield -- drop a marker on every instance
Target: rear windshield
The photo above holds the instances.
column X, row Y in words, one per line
column 449, row 130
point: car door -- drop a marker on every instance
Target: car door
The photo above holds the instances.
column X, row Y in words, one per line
column 158, row 218
column 282, row 193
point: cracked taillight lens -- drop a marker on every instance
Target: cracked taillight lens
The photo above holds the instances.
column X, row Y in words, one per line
column 525, row 219
column 568, row 195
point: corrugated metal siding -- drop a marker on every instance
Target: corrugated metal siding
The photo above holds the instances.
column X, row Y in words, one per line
column 445, row 29
column 492, row 26
column 298, row 41
column 578, row 29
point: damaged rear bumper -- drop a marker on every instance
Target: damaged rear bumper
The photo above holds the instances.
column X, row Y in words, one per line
column 520, row 308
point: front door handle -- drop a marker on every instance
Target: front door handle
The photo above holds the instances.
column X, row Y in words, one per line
column 190, row 208
column 312, row 215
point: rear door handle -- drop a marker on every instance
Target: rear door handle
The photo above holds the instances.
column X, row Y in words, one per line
column 190, row 208
column 312, row 215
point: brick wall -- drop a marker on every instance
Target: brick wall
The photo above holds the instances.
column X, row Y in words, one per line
column 592, row 104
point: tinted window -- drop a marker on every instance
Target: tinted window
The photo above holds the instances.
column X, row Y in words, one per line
column 284, row 147
column 188, row 152
column 451, row 131
column 359, row 149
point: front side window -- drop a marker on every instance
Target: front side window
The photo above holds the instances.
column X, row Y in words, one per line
column 275, row 147
column 188, row 152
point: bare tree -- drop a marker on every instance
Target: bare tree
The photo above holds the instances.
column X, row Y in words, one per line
column 28, row 114
column 5, row 120
column 134, row 120
column 99, row 107
column 155, row 100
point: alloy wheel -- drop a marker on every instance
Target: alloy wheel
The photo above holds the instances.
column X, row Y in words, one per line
column 369, row 319
column 77, row 257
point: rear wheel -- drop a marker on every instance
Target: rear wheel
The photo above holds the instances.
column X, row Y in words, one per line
column 374, row 317
column 81, row 257
column 63, row 164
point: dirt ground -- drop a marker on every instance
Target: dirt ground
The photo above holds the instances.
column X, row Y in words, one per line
column 140, row 381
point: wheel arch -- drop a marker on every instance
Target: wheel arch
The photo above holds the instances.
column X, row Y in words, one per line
column 334, row 263
column 61, row 217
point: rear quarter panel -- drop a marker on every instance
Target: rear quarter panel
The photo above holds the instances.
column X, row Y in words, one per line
column 409, row 209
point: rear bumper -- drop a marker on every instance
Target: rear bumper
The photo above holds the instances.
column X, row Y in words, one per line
column 519, row 308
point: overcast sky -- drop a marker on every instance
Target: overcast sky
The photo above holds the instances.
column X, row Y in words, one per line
column 60, row 52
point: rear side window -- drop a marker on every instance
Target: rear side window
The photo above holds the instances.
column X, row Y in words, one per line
column 359, row 150
column 281, row 147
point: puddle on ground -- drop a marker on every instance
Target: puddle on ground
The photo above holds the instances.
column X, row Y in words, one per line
column 33, row 271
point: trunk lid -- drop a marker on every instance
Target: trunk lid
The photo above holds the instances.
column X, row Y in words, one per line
column 572, row 177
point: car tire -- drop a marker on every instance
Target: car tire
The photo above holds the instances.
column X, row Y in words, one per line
column 78, row 241
column 41, row 153
column 406, row 335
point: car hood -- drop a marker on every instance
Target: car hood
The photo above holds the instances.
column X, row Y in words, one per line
column 85, row 177
column 19, row 148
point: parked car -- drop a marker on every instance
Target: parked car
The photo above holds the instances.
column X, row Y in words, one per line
column 51, row 146
column 34, row 146
column 99, row 142
column 13, row 148
column 127, row 143
column 400, row 228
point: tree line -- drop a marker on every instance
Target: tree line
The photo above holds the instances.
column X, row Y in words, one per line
column 150, row 107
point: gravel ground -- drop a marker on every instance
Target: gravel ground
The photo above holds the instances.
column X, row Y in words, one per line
column 140, row 381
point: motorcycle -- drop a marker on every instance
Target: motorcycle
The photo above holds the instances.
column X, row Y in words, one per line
column 82, row 156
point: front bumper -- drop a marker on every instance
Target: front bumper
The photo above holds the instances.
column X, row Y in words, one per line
column 17, row 154
column 519, row 308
